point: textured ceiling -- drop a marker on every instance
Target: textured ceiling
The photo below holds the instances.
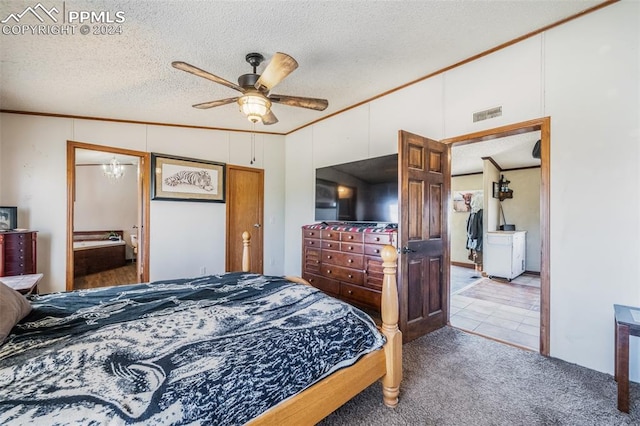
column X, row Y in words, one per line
column 348, row 52
column 512, row 152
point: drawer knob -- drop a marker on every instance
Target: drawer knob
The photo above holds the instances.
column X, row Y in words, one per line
column 328, row 245
column 329, row 235
column 311, row 280
column 350, row 291
column 377, row 238
column 311, row 243
column 351, row 237
column 329, row 257
column 376, row 251
column 350, row 276
column 328, row 271
column 317, row 261
column 350, row 247
column 350, row 260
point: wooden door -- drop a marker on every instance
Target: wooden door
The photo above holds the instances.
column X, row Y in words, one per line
column 245, row 201
column 423, row 236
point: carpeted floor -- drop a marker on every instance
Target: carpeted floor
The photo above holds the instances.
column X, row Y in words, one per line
column 455, row 378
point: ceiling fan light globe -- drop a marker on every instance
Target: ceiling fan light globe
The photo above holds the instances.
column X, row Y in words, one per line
column 254, row 106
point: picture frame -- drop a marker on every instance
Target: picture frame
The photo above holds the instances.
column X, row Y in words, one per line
column 8, row 218
column 187, row 179
column 462, row 199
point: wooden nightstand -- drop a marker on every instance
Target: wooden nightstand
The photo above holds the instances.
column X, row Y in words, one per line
column 25, row 284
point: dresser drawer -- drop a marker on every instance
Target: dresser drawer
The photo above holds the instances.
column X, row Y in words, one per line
column 311, row 233
column 343, row 274
column 15, row 243
column 330, row 235
column 310, row 242
column 375, row 274
column 361, row 295
column 19, row 255
column 355, row 237
column 342, row 259
column 378, row 238
column 330, row 244
column 19, row 268
column 373, row 249
column 352, row 248
column 312, row 260
column 321, row 283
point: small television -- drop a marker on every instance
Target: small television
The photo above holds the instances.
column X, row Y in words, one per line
column 359, row 191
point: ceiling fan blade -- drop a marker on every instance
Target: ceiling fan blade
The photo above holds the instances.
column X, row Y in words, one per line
column 297, row 101
column 204, row 74
column 270, row 118
column 212, row 104
column 281, row 65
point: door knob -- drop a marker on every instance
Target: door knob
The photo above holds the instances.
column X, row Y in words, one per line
column 406, row 250
column 257, row 225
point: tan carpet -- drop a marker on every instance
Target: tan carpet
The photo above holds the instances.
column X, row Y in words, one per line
column 453, row 378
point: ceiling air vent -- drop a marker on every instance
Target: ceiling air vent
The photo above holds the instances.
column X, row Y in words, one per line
column 487, row 114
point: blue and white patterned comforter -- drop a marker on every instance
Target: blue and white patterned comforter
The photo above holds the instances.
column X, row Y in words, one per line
column 212, row 350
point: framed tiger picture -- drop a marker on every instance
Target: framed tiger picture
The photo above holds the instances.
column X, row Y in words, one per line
column 186, row 179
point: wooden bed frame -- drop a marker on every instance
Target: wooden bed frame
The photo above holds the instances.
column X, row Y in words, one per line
column 318, row 401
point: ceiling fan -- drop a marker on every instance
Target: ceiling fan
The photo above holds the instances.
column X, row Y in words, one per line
column 255, row 101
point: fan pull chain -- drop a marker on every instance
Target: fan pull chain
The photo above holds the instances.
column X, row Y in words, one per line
column 253, row 144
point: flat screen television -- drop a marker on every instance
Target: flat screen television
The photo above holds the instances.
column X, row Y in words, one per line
column 359, row 191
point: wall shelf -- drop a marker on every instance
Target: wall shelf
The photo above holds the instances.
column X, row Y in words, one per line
column 501, row 189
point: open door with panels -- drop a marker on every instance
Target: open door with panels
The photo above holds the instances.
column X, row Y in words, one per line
column 423, row 235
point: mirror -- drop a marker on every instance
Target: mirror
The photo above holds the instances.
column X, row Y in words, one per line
column 106, row 211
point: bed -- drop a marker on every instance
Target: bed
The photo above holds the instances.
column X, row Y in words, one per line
column 233, row 348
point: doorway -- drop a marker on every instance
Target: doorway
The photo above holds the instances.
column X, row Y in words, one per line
column 542, row 126
column 107, row 216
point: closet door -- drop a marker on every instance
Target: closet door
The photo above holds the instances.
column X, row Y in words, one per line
column 245, row 203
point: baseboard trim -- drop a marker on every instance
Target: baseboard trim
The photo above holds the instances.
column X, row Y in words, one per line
column 464, row 265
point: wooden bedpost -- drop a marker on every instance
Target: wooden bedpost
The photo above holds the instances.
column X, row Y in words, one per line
column 393, row 347
column 246, row 258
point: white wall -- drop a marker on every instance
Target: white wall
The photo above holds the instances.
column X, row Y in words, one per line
column 592, row 95
column 584, row 75
column 523, row 210
column 103, row 204
column 184, row 236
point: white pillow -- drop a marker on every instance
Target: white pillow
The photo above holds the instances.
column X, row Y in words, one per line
column 13, row 307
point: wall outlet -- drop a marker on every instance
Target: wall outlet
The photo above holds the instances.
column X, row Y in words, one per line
column 203, row 270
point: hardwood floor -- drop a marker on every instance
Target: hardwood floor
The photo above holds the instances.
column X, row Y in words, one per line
column 118, row 276
column 508, row 312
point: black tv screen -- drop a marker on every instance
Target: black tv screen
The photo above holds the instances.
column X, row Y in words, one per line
column 360, row 191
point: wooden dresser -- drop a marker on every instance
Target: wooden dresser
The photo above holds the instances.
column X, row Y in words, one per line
column 17, row 253
column 344, row 261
